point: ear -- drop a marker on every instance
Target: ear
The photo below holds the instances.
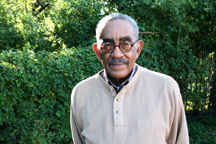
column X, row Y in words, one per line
column 139, row 48
column 97, row 52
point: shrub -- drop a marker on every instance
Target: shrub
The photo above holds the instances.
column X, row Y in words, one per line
column 35, row 93
column 65, row 24
column 202, row 129
column 21, row 30
column 75, row 21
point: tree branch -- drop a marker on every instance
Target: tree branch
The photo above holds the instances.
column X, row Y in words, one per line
column 148, row 32
column 10, row 135
column 40, row 3
column 26, row 7
column 42, row 7
column 212, row 32
column 25, row 127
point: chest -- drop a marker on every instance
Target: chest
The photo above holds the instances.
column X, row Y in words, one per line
column 131, row 115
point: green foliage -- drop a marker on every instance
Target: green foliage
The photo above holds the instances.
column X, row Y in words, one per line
column 202, row 129
column 75, row 21
column 20, row 30
column 201, row 19
column 213, row 89
column 35, row 93
column 9, row 35
column 64, row 23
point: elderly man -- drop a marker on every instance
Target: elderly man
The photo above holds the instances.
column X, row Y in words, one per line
column 126, row 103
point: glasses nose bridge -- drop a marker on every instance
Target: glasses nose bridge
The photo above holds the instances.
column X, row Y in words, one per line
column 114, row 49
column 115, row 45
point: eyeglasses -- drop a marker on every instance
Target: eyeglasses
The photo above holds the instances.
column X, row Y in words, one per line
column 124, row 46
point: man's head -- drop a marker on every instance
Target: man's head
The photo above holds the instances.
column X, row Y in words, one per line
column 119, row 34
column 102, row 23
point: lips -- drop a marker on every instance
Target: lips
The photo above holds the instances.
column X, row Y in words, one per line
column 117, row 65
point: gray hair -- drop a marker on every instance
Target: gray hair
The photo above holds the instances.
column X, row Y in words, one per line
column 102, row 23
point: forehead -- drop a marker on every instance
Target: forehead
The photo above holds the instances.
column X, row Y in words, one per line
column 117, row 29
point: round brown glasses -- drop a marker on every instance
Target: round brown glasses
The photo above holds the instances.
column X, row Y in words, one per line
column 125, row 46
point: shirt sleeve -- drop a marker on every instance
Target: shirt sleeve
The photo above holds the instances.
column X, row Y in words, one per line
column 75, row 128
column 178, row 131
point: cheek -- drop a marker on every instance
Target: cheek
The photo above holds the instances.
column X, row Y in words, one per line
column 131, row 57
column 104, row 60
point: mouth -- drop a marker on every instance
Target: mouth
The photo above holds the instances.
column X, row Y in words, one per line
column 117, row 65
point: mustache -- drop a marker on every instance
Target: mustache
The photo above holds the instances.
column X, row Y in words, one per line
column 116, row 61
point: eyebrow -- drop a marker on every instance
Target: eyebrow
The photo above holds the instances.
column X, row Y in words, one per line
column 127, row 38
column 107, row 40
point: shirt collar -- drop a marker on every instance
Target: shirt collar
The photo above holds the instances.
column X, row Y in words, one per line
column 106, row 78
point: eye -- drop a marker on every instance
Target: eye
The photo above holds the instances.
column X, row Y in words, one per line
column 107, row 44
column 125, row 43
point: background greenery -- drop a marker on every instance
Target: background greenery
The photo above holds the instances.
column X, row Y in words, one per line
column 46, row 49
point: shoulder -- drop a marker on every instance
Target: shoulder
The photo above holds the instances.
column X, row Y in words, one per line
column 89, row 86
column 154, row 75
column 87, row 90
column 90, row 82
column 81, row 91
column 162, row 84
column 157, row 79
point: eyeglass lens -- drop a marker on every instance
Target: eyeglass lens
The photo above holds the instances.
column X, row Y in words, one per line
column 124, row 46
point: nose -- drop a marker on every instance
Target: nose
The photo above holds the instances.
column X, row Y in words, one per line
column 117, row 53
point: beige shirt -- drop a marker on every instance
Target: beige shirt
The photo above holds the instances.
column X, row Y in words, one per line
column 148, row 110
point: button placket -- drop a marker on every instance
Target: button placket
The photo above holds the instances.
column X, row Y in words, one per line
column 118, row 112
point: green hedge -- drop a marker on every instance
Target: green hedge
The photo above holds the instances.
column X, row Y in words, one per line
column 35, row 91
column 64, row 23
column 202, row 128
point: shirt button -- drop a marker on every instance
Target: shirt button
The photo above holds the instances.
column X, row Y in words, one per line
column 118, row 112
column 118, row 99
column 111, row 90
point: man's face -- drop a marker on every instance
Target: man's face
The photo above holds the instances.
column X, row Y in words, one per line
column 117, row 31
